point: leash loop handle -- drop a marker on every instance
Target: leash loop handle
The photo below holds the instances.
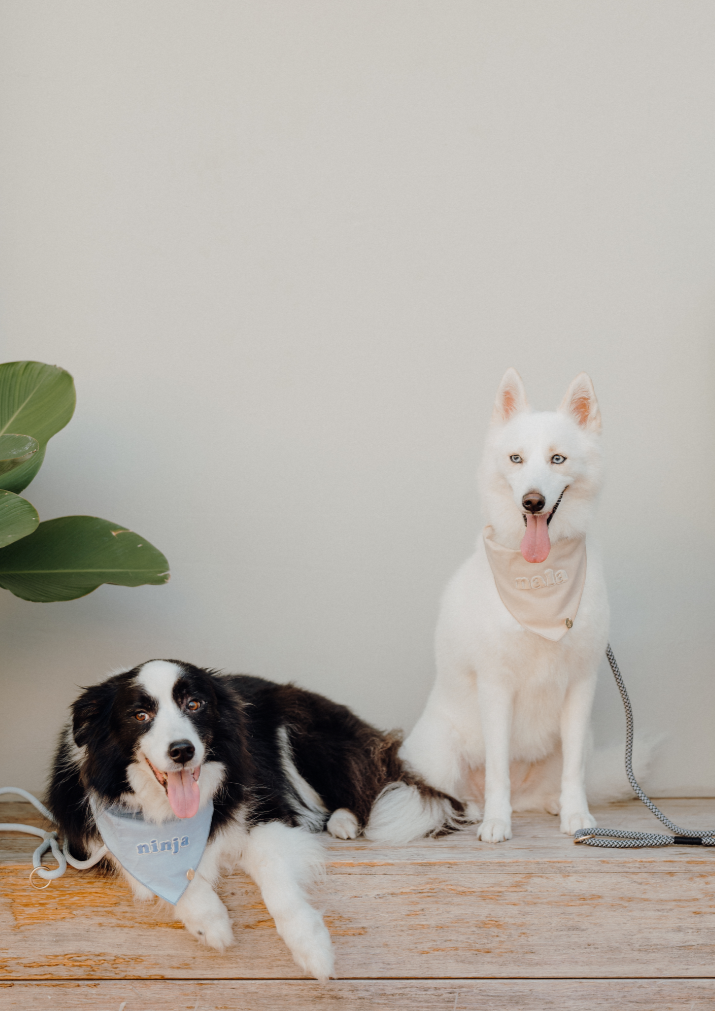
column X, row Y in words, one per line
column 49, row 842
column 49, row 839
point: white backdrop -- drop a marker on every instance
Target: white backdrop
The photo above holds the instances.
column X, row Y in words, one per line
column 288, row 250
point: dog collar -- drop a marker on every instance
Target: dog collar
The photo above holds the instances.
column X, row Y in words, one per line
column 163, row 857
column 543, row 597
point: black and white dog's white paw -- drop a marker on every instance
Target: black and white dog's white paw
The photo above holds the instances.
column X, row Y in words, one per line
column 205, row 916
column 309, row 942
column 343, row 824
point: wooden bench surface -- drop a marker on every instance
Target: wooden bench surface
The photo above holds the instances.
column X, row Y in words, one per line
column 452, row 923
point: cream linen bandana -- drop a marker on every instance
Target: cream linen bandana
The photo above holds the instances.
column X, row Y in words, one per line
column 543, row 597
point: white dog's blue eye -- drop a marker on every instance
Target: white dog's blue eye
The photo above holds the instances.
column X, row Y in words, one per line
column 516, row 458
column 558, row 458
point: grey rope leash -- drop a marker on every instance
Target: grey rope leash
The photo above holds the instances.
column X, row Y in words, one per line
column 624, row 838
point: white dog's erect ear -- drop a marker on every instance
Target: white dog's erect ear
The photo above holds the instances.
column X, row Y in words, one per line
column 511, row 398
column 580, row 402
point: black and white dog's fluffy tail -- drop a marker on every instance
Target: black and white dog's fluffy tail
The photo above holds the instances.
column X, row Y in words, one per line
column 409, row 810
column 336, row 765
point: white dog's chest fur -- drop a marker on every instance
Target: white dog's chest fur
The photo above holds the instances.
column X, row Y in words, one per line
column 474, row 625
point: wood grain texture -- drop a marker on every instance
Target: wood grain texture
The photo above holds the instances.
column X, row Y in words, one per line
column 363, row 995
column 535, row 907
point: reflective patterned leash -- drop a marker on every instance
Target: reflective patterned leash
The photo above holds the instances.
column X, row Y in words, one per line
column 621, row 838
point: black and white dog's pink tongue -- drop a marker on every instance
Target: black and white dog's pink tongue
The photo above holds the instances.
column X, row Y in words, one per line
column 183, row 793
column 535, row 545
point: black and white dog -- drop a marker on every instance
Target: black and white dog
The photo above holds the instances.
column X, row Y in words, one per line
column 278, row 763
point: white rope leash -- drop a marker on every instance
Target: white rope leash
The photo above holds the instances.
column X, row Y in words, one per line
column 49, row 841
column 621, row 838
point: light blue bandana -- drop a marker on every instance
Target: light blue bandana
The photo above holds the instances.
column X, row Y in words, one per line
column 163, row 857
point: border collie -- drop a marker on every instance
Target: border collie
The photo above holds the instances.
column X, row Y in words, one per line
column 279, row 764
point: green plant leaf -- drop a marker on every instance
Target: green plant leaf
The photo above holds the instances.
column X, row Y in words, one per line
column 35, row 399
column 17, row 518
column 16, row 449
column 19, row 478
column 73, row 555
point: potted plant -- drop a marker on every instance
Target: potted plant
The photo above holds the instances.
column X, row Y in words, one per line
column 64, row 558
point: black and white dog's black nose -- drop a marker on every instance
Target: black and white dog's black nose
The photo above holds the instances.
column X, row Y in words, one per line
column 181, row 751
column 533, row 501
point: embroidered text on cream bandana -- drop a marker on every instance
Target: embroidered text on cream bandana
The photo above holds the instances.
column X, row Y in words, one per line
column 543, row 596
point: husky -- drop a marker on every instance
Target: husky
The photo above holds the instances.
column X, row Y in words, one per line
column 507, row 724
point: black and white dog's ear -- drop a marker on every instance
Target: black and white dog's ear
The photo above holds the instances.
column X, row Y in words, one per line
column 91, row 712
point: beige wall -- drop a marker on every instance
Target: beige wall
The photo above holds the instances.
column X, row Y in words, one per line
column 287, row 249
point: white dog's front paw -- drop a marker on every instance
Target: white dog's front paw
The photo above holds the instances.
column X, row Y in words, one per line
column 343, row 824
column 494, row 830
column 572, row 821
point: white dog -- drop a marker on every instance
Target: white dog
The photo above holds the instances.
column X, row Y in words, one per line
column 523, row 625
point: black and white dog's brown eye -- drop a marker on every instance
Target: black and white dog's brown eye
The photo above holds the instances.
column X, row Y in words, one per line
column 193, row 705
column 141, row 716
column 558, row 458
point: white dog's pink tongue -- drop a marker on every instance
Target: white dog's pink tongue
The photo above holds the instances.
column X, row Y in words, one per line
column 535, row 545
column 183, row 793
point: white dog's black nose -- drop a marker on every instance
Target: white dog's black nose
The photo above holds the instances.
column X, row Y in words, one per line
column 533, row 501
column 181, row 751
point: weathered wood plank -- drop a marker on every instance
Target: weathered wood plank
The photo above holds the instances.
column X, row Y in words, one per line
column 435, row 923
column 536, row 837
column 364, row 995
column 537, row 906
